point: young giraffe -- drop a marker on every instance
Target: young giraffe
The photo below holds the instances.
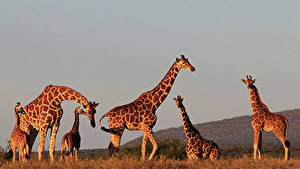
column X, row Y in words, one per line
column 140, row 114
column 264, row 120
column 18, row 138
column 45, row 112
column 196, row 146
column 72, row 138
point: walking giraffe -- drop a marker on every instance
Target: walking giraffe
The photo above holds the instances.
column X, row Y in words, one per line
column 140, row 114
column 72, row 139
column 45, row 112
column 196, row 146
column 264, row 120
column 18, row 138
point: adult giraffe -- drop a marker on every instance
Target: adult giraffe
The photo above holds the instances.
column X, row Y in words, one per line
column 140, row 114
column 45, row 112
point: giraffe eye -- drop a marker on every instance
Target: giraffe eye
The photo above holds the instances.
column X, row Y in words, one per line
column 183, row 63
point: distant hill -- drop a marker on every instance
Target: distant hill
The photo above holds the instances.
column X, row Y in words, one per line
column 235, row 131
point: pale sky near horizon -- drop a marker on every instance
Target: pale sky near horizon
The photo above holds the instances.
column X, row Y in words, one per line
column 112, row 51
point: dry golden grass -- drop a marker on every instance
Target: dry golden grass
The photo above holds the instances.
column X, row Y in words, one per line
column 158, row 163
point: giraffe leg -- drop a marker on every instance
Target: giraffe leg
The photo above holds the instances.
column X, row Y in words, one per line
column 13, row 148
column 52, row 139
column 23, row 153
column 255, row 145
column 260, row 146
column 20, row 154
column 76, row 154
column 31, row 138
column 71, row 152
column 144, row 143
column 149, row 134
column 27, row 151
column 280, row 134
column 214, row 154
column 114, row 145
column 43, row 134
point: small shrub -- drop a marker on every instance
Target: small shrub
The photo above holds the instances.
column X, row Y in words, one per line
column 168, row 147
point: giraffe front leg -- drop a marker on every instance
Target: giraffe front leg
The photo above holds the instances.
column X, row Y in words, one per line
column 144, row 143
column 13, row 149
column 260, row 146
column 43, row 134
column 255, row 144
column 31, row 138
column 149, row 134
column 76, row 154
column 52, row 140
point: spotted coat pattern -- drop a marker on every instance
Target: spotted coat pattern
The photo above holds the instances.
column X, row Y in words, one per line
column 264, row 120
column 45, row 112
column 19, row 138
column 72, row 139
column 196, row 146
column 140, row 114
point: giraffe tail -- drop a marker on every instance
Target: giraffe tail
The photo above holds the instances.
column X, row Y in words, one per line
column 109, row 130
column 287, row 143
column 102, row 127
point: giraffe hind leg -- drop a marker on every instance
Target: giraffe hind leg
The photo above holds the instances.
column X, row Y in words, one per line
column 215, row 153
column 280, row 134
column 114, row 145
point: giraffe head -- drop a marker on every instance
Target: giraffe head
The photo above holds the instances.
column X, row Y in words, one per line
column 249, row 82
column 179, row 100
column 183, row 63
column 19, row 108
column 90, row 111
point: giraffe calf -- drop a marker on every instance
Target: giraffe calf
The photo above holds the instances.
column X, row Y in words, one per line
column 19, row 138
column 196, row 146
column 72, row 139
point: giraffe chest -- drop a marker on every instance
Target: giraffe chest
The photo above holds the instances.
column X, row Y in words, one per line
column 18, row 135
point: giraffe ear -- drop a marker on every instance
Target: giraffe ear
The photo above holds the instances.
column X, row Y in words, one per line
column 96, row 104
column 254, row 80
column 174, row 98
column 243, row 80
column 182, row 99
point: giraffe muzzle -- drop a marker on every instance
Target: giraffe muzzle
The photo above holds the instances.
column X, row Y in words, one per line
column 93, row 124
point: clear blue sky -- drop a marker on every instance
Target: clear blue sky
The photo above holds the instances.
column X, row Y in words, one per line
column 112, row 51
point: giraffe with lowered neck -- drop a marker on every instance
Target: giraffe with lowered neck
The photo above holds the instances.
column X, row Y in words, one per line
column 45, row 112
column 264, row 120
column 19, row 138
column 72, row 138
column 196, row 146
column 140, row 114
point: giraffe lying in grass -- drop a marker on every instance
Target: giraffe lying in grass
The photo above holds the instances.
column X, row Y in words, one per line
column 264, row 120
column 72, row 139
column 196, row 146
column 19, row 138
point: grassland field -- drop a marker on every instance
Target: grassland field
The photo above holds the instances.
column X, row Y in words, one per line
column 233, row 157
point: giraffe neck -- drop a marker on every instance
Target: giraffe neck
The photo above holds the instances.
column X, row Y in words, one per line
column 76, row 123
column 17, row 118
column 54, row 95
column 256, row 103
column 189, row 129
column 161, row 91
